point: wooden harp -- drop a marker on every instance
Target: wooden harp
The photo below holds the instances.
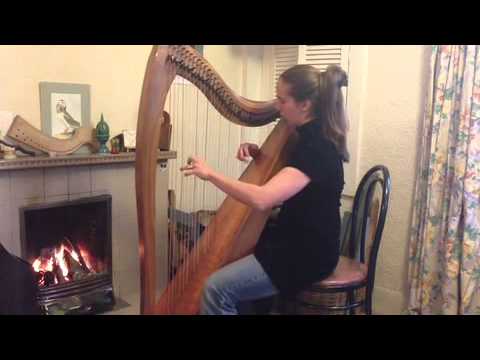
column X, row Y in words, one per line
column 235, row 229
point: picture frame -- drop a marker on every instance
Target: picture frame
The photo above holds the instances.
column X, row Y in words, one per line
column 64, row 107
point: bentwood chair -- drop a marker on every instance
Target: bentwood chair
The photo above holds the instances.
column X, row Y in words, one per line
column 349, row 289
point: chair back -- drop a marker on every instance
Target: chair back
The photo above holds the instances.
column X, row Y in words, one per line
column 367, row 221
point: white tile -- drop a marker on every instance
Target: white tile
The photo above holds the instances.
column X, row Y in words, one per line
column 28, row 201
column 122, row 189
column 116, row 244
column 56, row 199
column 129, row 282
column 56, row 182
column 72, row 197
column 126, row 174
column 4, row 187
column 116, row 282
column 79, row 180
column 103, row 177
column 123, row 202
column 117, row 275
column 101, row 192
column 27, row 184
column 125, row 240
column 5, row 226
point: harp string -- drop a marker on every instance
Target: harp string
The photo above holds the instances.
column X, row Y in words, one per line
column 182, row 191
column 177, row 193
column 195, row 248
column 189, row 107
column 185, row 244
column 171, row 229
column 190, row 203
column 173, row 215
column 207, row 240
column 174, row 247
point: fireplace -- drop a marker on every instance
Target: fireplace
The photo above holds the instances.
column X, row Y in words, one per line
column 69, row 245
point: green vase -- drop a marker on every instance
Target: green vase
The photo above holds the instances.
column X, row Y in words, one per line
column 103, row 134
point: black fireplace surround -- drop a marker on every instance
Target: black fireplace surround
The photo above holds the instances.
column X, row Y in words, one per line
column 84, row 228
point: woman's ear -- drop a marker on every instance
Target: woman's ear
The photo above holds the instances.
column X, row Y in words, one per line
column 306, row 106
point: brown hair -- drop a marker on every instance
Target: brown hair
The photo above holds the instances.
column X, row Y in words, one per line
column 323, row 89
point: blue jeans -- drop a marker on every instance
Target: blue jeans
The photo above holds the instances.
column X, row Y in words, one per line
column 242, row 280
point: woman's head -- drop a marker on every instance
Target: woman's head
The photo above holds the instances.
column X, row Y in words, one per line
column 304, row 94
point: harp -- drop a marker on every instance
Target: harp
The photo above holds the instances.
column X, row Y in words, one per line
column 235, row 228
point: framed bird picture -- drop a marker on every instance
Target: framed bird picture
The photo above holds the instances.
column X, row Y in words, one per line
column 64, row 108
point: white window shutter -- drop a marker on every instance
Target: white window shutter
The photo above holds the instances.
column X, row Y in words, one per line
column 321, row 56
column 284, row 57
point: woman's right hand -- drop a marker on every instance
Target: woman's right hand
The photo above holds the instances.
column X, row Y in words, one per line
column 247, row 151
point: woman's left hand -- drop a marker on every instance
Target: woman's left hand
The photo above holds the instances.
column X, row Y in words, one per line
column 198, row 167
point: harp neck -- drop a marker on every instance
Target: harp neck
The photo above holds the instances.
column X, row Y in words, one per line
column 196, row 69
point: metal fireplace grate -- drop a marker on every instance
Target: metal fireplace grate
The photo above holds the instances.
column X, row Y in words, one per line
column 69, row 245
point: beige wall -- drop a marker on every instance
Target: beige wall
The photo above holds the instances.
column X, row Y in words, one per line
column 393, row 110
column 115, row 73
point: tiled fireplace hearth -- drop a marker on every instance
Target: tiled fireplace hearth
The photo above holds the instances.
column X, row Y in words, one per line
column 33, row 181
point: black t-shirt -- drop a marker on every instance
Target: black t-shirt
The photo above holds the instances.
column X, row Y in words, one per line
column 304, row 246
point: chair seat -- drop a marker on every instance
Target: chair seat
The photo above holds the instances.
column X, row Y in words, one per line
column 348, row 272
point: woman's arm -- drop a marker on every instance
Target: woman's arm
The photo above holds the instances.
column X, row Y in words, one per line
column 288, row 182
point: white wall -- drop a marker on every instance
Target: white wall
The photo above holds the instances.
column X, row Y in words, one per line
column 393, row 110
column 115, row 74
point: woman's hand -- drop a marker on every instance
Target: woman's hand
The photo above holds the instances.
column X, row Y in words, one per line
column 198, row 167
column 247, row 151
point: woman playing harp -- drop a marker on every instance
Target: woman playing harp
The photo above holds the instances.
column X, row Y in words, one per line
column 304, row 246
column 236, row 227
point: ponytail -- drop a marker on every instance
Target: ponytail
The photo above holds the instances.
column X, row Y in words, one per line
column 324, row 90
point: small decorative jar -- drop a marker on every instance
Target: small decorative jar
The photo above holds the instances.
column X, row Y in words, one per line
column 103, row 134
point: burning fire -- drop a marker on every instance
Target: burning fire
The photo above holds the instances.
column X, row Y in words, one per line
column 63, row 264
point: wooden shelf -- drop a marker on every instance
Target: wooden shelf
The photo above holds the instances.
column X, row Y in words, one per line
column 32, row 162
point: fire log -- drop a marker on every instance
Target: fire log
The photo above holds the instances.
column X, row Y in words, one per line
column 48, row 278
column 57, row 271
column 77, row 250
column 75, row 269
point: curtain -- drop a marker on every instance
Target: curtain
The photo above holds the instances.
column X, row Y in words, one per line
column 444, row 252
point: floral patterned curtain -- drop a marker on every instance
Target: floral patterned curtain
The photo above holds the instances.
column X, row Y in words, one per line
column 444, row 263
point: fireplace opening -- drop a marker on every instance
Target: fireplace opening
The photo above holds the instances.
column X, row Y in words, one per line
column 69, row 245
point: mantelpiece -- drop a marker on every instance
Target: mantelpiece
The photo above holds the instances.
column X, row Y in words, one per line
column 27, row 162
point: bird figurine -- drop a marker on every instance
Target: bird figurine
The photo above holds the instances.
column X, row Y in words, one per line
column 62, row 114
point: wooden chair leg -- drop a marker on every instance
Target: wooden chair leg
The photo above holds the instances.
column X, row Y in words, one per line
column 350, row 300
